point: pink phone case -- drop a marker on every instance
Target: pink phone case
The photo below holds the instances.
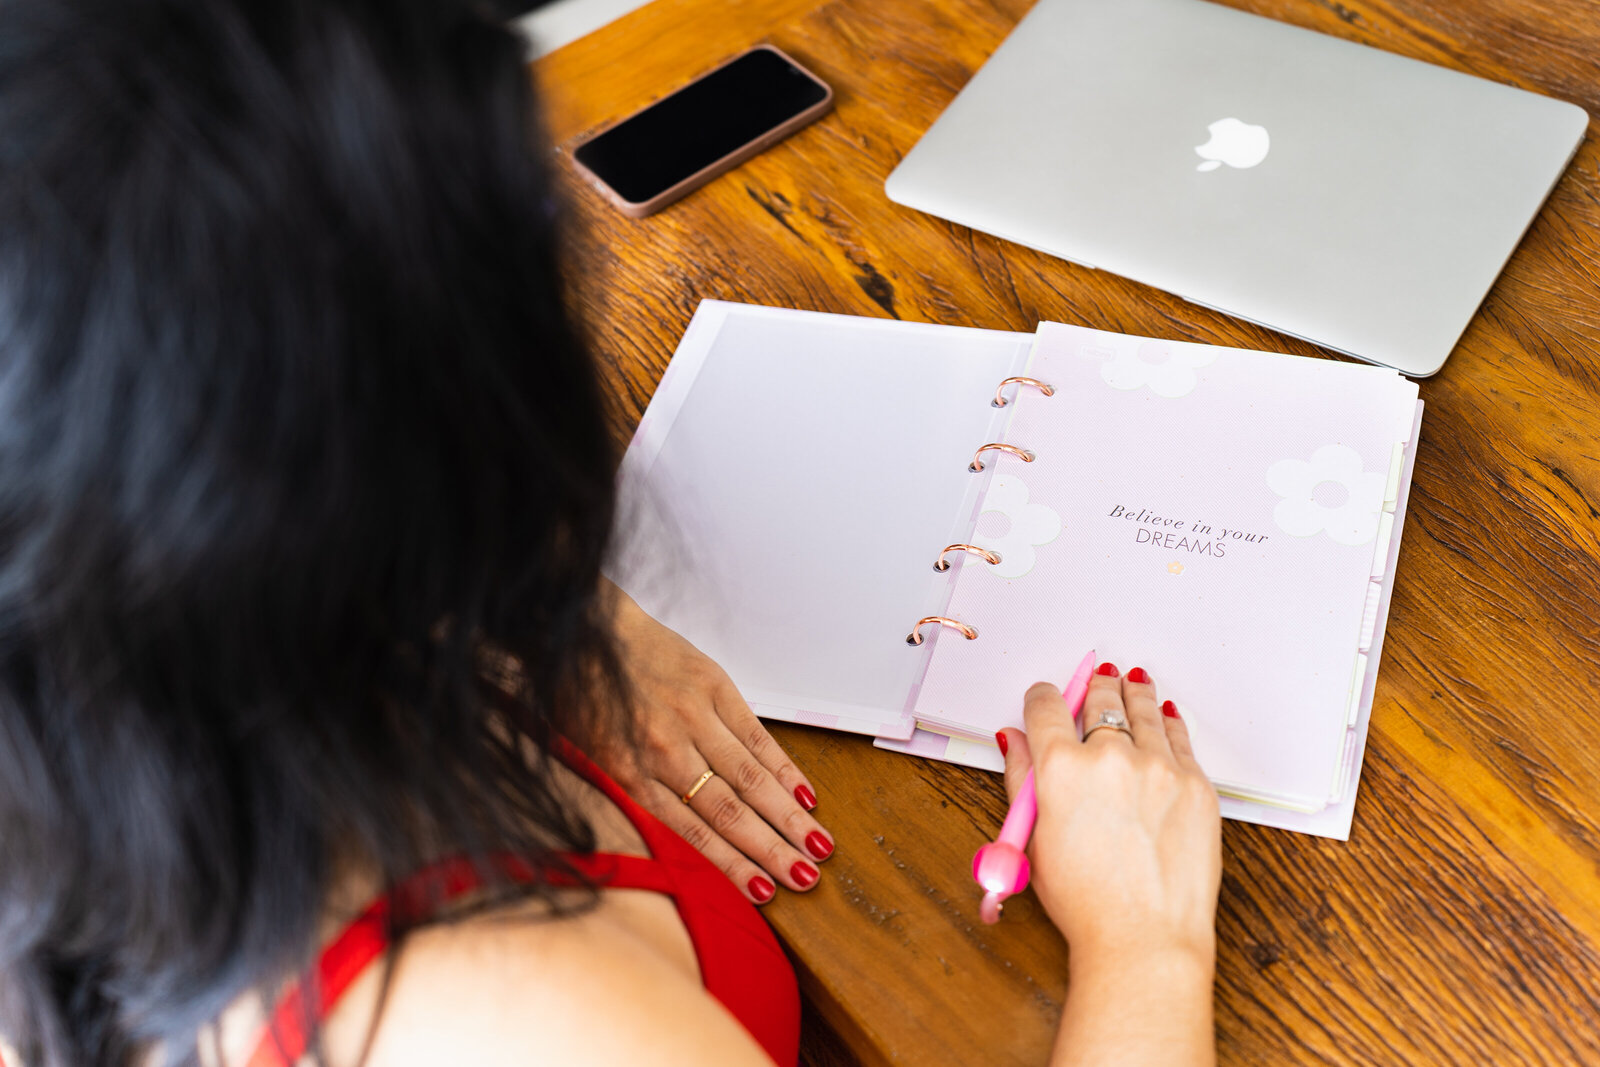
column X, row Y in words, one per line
column 694, row 181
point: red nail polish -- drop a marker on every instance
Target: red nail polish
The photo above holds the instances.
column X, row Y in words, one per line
column 1170, row 710
column 1139, row 676
column 803, row 874
column 805, row 796
column 761, row 889
column 1109, row 670
column 818, row 845
column 1000, row 739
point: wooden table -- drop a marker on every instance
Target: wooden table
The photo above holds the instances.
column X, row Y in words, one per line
column 1462, row 921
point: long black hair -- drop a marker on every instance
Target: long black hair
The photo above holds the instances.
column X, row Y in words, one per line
column 298, row 452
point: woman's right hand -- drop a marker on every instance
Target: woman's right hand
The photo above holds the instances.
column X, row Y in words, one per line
column 1127, row 860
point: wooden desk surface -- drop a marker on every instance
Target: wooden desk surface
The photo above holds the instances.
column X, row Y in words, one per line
column 1462, row 921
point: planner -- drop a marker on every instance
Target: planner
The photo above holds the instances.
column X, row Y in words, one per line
column 895, row 528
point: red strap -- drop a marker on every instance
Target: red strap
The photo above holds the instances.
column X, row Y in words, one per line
column 340, row 964
column 360, row 944
column 364, row 940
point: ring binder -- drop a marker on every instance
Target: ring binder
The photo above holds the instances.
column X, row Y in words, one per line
column 942, row 564
column 989, row 557
column 1000, row 401
column 1021, row 453
column 1205, row 461
column 915, row 636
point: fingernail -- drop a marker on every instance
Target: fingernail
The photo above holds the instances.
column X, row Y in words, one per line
column 1139, row 676
column 803, row 874
column 818, row 845
column 761, row 889
column 1170, row 710
column 1000, row 739
column 1107, row 669
column 805, row 796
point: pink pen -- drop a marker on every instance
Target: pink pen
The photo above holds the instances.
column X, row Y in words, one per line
column 1001, row 867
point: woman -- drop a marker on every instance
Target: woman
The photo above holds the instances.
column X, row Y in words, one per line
column 304, row 491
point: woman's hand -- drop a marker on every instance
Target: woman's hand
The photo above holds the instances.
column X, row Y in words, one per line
column 752, row 819
column 1127, row 860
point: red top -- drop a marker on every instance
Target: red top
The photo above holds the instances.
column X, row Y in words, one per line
column 740, row 961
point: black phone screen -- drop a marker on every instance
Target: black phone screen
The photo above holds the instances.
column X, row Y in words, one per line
column 682, row 134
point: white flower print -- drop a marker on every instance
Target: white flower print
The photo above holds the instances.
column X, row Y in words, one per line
column 1168, row 368
column 1031, row 524
column 1352, row 520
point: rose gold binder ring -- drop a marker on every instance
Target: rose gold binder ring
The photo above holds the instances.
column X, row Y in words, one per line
column 977, row 464
column 943, row 564
column 1000, row 400
column 915, row 636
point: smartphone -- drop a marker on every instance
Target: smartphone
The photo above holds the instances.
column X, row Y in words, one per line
column 711, row 125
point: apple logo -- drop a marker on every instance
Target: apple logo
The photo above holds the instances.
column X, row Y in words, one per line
column 1238, row 144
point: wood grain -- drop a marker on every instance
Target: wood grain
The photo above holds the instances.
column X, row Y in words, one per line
column 1462, row 921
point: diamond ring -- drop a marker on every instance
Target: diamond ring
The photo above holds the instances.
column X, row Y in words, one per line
column 1110, row 719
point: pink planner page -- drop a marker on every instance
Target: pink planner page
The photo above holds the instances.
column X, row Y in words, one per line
column 1213, row 515
column 1335, row 820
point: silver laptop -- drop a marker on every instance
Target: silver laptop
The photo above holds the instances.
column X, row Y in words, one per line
column 1347, row 196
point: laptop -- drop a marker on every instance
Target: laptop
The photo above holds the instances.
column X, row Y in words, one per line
column 1352, row 198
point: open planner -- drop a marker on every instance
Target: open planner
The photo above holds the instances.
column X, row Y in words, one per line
column 895, row 528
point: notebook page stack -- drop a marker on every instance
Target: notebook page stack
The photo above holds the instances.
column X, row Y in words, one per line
column 1226, row 519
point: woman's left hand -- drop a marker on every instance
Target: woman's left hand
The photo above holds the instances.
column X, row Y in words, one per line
column 753, row 817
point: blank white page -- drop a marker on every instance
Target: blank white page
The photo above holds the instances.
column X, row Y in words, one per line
column 788, row 490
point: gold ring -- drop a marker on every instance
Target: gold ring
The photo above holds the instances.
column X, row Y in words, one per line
column 704, row 778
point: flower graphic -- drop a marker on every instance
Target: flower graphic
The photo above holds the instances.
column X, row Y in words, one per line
column 1031, row 524
column 1332, row 492
column 1174, row 567
column 1166, row 367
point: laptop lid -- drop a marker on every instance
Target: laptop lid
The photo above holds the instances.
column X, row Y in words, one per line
column 1354, row 198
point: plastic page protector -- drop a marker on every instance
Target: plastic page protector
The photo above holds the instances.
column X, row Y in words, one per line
column 793, row 480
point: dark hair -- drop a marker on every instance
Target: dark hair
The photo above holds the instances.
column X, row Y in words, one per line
column 297, row 451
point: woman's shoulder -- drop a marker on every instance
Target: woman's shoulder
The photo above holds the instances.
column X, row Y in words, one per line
column 505, row 988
